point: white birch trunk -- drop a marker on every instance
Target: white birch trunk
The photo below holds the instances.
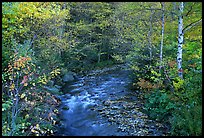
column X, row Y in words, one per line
column 162, row 36
column 180, row 40
column 149, row 37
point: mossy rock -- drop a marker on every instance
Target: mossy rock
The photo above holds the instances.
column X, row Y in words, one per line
column 52, row 90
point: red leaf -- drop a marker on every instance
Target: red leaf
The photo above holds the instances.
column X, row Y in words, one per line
column 25, row 79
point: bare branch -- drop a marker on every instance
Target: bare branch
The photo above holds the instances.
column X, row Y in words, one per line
column 151, row 9
column 190, row 9
column 168, row 78
column 191, row 25
column 34, row 36
column 173, row 13
column 23, row 106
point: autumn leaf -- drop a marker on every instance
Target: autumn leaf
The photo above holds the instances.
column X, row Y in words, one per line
column 27, row 116
column 37, row 126
column 25, row 79
column 22, row 95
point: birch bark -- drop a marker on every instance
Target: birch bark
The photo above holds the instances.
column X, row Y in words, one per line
column 180, row 40
column 162, row 36
column 149, row 37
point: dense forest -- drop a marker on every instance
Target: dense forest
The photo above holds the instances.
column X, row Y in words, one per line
column 161, row 42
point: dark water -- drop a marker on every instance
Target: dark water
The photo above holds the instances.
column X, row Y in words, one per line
column 86, row 110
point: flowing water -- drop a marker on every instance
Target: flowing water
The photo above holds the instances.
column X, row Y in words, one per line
column 102, row 105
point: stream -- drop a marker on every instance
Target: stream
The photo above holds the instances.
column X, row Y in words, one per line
column 100, row 104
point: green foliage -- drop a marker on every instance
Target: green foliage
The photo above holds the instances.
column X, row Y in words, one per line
column 159, row 106
column 187, row 121
column 160, row 103
column 6, row 105
column 181, row 108
column 18, row 80
column 178, row 83
column 104, row 64
column 17, row 76
column 118, row 58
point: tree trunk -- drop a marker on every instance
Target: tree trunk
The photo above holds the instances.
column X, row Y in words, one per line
column 101, row 45
column 162, row 34
column 180, row 40
column 14, row 113
column 99, row 54
column 149, row 37
column 90, row 38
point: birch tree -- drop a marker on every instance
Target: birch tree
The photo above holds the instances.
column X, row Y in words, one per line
column 149, row 36
column 162, row 35
column 180, row 40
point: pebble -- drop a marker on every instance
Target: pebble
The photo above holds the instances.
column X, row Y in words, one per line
column 152, row 127
column 115, row 107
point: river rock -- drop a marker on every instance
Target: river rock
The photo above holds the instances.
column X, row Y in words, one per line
column 100, row 109
column 115, row 107
column 112, row 112
column 50, row 83
column 58, row 87
column 107, row 103
column 53, row 90
column 69, row 76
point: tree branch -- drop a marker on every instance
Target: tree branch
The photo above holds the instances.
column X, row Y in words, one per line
column 151, row 9
column 190, row 9
column 191, row 25
column 169, row 80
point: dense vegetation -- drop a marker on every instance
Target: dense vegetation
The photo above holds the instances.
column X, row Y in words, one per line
column 41, row 41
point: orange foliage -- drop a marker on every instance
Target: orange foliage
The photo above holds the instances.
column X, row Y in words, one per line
column 144, row 84
column 192, row 65
column 172, row 63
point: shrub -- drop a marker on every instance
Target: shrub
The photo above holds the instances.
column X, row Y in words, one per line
column 187, row 121
column 159, row 106
column 20, row 85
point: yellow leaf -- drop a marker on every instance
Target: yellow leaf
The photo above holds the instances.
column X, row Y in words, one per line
column 32, row 103
column 37, row 126
column 25, row 84
column 22, row 95
column 27, row 116
column 54, row 122
column 32, row 130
